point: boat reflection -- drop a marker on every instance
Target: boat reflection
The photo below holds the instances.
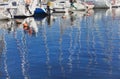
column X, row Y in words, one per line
column 14, row 26
column 68, row 19
column 114, row 12
column 29, row 26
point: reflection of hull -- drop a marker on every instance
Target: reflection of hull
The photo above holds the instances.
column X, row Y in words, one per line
column 8, row 25
column 98, row 14
column 28, row 25
column 114, row 12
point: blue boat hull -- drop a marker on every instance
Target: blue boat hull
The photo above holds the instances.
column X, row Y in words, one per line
column 40, row 11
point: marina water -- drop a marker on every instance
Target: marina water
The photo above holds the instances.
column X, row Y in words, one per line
column 75, row 46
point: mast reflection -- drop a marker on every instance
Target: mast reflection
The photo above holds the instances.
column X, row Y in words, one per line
column 4, row 49
column 47, row 52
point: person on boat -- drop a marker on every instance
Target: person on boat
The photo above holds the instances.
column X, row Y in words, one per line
column 27, row 4
column 72, row 3
column 8, row 10
column 49, row 4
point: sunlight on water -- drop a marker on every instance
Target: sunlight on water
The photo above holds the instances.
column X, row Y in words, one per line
column 76, row 46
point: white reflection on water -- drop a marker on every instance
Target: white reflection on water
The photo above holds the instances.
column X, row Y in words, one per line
column 61, row 56
column 70, row 62
column 3, row 44
column 47, row 52
column 21, row 46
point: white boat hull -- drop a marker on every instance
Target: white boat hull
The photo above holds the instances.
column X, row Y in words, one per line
column 65, row 6
column 4, row 14
column 22, row 10
column 17, row 8
column 100, row 3
column 78, row 7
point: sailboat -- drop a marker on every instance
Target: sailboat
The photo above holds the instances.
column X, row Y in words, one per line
column 106, row 3
column 25, row 8
column 4, row 14
column 40, row 8
column 100, row 3
column 17, row 8
column 115, row 3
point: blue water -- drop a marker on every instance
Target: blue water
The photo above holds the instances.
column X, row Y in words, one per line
column 75, row 47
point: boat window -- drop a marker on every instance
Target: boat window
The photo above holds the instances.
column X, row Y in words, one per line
column 14, row 3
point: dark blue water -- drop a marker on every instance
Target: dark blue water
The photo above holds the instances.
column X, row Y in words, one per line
column 77, row 46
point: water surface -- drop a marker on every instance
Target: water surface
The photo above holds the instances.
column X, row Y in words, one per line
column 76, row 46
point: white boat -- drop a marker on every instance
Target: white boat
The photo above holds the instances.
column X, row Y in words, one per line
column 13, row 8
column 78, row 6
column 88, row 4
column 65, row 6
column 115, row 3
column 6, row 9
column 25, row 7
column 40, row 8
column 100, row 3
column 57, row 6
column 4, row 14
column 105, row 3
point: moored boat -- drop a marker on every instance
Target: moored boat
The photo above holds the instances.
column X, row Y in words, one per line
column 7, row 9
column 4, row 14
column 17, row 8
column 61, row 6
column 40, row 8
column 25, row 8
column 115, row 3
column 77, row 6
column 100, row 4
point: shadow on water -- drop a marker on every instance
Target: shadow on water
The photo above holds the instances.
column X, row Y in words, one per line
column 78, row 45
